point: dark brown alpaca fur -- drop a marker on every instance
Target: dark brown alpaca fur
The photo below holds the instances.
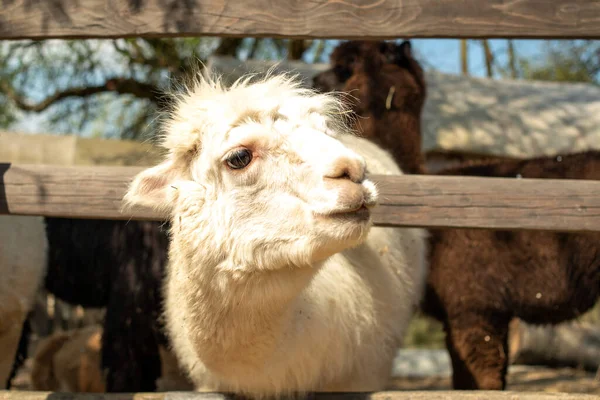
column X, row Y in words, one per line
column 118, row 265
column 480, row 279
column 391, row 67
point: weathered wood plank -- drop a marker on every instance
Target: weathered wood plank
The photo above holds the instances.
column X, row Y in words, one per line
column 375, row 19
column 391, row 395
column 428, row 201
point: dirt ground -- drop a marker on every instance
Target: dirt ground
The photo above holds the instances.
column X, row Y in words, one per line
column 520, row 379
column 529, row 379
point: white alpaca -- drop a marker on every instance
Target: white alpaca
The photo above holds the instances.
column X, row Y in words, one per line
column 273, row 285
column 23, row 254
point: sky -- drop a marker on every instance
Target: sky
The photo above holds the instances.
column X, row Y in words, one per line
column 444, row 54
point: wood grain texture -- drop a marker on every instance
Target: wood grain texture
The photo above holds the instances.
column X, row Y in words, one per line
column 374, row 19
column 428, row 201
column 391, row 395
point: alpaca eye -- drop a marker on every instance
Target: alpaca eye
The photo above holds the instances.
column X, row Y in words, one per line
column 239, row 159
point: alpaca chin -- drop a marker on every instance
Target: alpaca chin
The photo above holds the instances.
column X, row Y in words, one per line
column 345, row 231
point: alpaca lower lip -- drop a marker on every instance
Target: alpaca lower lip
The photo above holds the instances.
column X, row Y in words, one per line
column 361, row 212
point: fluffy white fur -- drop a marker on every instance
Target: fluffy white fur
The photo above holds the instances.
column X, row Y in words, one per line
column 276, row 283
column 23, row 253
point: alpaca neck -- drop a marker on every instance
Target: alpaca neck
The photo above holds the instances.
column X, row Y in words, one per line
column 400, row 132
column 236, row 316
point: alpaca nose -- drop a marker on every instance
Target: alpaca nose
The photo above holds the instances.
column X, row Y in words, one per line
column 350, row 168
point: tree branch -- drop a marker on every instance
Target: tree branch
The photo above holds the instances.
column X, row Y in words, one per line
column 254, row 48
column 117, row 85
column 319, row 50
column 464, row 57
column 296, row 49
column 489, row 58
column 512, row 59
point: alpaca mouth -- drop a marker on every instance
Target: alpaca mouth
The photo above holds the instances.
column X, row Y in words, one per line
column 361, row 213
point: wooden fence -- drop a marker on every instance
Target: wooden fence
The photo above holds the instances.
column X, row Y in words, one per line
column 429, row 201
column 351, row 19
column 415, row 395
column 426, row 201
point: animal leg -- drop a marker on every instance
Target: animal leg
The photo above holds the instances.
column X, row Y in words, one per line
column 12, row 316
column 479, row 351
column 130, row 355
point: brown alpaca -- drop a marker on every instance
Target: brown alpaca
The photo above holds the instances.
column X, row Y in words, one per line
column 480, row 279
column 69, row 362
column 393, row 109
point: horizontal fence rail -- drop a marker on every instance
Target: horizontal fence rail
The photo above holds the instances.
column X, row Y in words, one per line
column 365, row 19
column 391, row 395
column 409, row 200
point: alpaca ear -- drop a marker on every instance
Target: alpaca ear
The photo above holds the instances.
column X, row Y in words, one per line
column 152, row 187
column 388, row 51
column 406, row 49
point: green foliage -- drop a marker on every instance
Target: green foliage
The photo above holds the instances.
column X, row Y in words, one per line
column 8, row 114
column 565, row 61
column 71, row 82
column 111, row 88
column 425, row 332
column 592, row 316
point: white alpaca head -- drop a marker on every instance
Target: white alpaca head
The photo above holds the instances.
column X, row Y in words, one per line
column 254, row 174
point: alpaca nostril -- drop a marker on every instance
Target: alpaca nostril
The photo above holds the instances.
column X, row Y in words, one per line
column 347, row 168
column 340, row 173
